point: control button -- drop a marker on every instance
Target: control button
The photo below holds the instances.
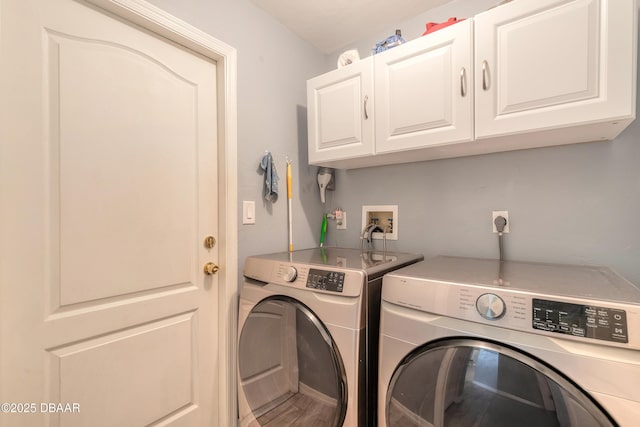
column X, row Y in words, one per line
column 490, row 306
column 290, row 274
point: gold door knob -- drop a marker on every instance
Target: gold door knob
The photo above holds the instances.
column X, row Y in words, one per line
column 210, row 269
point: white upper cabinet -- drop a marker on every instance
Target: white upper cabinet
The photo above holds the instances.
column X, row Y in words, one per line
column 548, row 64
column 340, row 113
column 424, row 91
column 528, row 73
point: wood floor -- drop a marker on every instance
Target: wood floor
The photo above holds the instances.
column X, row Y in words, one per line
column 299, row 410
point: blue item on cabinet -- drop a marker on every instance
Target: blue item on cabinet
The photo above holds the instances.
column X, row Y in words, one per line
column 389, row 42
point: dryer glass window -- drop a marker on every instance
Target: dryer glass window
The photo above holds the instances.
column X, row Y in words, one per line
column 466, row 382
column 290, row 369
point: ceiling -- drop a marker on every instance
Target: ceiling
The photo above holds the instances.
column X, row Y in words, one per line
column 332, row 24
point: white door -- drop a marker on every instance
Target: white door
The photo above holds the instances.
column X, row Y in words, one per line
column 109, row 142
column 424, row 91
column 340, row 113
column 546, row 64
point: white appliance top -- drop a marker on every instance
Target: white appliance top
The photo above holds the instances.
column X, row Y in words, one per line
column 584, row 303
column 591, row 282
column 373, row 263
column 336, row 271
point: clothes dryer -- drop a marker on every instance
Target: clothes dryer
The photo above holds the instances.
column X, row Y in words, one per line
column 308, row 334
column 472, row 342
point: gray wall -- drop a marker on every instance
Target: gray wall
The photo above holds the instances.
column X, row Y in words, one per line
column 570, row 204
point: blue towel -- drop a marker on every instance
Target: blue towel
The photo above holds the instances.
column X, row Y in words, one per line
column 270, row 178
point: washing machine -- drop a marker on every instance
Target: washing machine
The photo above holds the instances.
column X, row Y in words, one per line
column 307, row 320
column 476, row 342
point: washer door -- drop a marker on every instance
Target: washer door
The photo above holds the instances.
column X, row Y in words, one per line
column 291, row 372
column 471, row 382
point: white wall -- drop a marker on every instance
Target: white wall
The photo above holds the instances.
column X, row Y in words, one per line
column 273, row 66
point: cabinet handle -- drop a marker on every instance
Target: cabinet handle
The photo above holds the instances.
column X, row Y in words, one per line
column 463, row 82
column 366, row 98
column 485, row 75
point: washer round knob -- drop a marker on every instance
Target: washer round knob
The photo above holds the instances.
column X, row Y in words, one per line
column 490, row 306
column 290, row 274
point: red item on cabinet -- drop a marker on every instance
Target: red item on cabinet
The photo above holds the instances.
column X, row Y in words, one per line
column 435, row 26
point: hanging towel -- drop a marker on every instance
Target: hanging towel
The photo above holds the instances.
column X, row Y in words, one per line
column 270, row 178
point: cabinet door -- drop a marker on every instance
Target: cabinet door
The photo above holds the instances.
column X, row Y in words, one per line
column 424, row 91
column 340, row 113
column 546, row 64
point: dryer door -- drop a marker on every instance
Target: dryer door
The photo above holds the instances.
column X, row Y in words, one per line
column 472, row 382
column 290, row 370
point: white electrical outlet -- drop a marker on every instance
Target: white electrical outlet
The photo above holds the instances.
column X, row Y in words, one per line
column 505, row 215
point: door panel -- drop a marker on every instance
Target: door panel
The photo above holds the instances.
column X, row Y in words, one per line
column 154, row 181
column 340, row 114
column 424, row 91
column 553, row 63
column 135, row 360
column 530, row 72
column 112, row 134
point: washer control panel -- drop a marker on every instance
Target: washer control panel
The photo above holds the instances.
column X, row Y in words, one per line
column 325, row 280
column 562, row 317
column 602, row 323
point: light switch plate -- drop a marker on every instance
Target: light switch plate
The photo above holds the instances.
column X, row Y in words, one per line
column 248, row 212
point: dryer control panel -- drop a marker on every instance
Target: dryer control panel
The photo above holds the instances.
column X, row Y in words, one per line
column 326, row 280
column 586, row 321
